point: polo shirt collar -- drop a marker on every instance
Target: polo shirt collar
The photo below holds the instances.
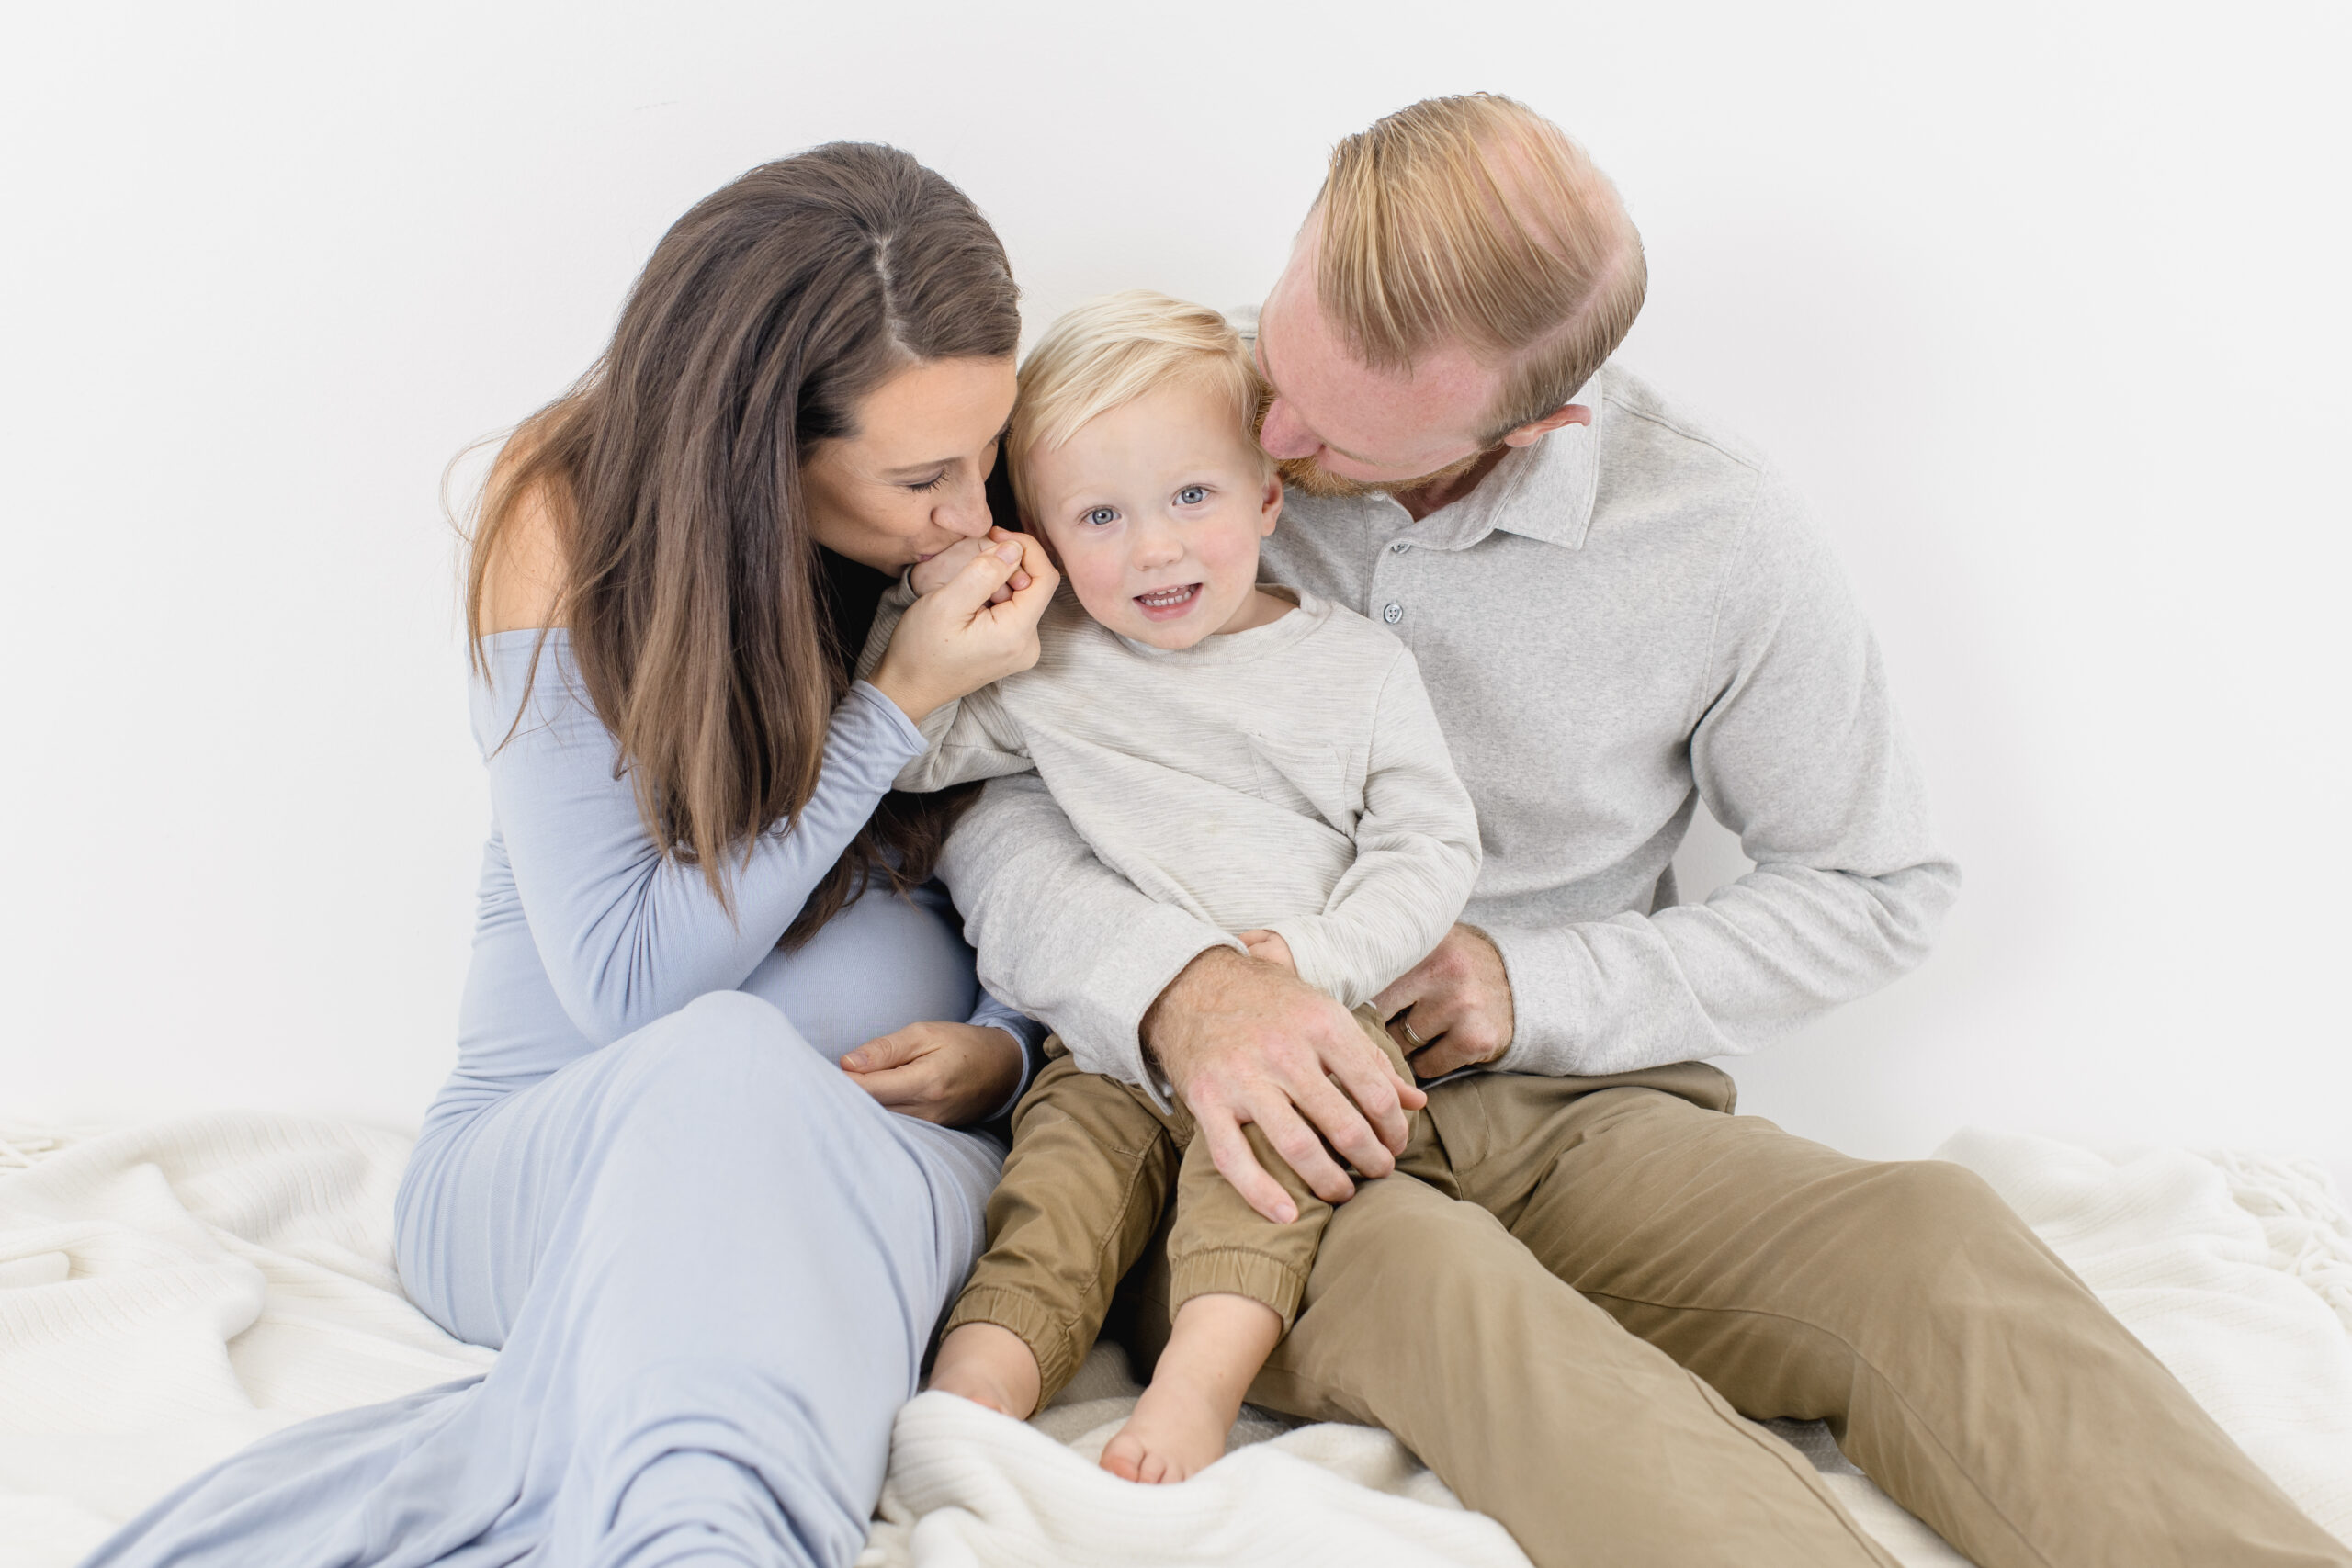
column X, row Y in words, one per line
column 1543, row 492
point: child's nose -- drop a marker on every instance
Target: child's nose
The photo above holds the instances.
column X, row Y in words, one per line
column 1157, row 544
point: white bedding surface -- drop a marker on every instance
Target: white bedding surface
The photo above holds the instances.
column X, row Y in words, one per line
column 170, row 1292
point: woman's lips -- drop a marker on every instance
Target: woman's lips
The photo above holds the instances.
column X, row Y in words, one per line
column 1167, row 603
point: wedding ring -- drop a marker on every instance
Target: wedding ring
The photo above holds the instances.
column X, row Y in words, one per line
column 1412, row 1038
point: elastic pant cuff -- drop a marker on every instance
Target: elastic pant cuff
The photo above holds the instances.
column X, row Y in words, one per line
column 1056, row 1347
column 1239, row 1271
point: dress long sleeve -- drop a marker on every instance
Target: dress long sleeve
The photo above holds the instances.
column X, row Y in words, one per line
column 627, row 933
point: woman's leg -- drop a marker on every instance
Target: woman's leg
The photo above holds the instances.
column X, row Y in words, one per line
column 712, row 1263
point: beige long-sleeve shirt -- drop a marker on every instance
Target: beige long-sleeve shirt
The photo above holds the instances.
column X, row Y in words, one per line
column 1619, row 622
column 1291, row 777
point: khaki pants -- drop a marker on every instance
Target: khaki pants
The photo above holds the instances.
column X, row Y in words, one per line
column 1563, row 1322
column 1093, row 1167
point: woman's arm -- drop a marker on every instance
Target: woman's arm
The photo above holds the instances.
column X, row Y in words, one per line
column 627, row 933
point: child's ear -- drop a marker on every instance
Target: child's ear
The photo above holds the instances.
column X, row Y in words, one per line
column 1269, row 504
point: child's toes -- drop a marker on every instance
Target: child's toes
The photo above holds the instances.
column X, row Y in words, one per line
column 1122, row 1457
column 1154, row 1470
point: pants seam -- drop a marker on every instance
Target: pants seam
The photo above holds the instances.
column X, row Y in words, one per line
column 1894, row 1391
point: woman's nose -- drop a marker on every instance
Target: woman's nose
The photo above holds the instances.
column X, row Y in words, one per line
column 1284, row 434
column 964, row 510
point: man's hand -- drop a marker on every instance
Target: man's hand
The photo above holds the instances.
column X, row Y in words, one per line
column 1452, row 1009
column 1242, row 1041
column 953, row 1074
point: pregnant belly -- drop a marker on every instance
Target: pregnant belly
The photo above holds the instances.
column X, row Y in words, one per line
column 883, row 963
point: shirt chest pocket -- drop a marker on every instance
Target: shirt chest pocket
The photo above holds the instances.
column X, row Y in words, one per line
column 1311, row 777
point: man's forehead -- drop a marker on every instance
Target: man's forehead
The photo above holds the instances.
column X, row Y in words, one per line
column 1351, row 405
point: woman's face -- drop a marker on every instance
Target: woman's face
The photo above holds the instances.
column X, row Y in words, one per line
column 908, row 485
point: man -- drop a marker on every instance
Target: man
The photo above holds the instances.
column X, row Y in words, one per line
column 1618, row 612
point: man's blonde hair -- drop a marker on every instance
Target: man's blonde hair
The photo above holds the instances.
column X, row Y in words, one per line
column 1107, row 352
column 1475, row 219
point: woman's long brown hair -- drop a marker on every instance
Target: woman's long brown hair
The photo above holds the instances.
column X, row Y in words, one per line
column 713, row 636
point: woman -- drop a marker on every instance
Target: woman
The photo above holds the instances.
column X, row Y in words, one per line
column 710, row 1252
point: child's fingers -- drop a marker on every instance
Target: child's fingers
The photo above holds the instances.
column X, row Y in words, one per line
column 974, row 586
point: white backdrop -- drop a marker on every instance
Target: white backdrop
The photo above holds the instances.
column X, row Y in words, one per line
column 2043, row 304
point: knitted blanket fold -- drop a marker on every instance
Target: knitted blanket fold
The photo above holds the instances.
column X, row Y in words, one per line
column 170, row 1291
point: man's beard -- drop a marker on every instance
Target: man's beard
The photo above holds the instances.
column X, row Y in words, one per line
column 1311, row 478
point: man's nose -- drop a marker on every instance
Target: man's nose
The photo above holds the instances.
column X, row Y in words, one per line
column 965, row 508
column 1284, row 434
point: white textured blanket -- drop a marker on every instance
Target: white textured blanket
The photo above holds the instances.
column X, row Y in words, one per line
column 170, row 1293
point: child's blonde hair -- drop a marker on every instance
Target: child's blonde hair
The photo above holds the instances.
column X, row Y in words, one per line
column 1107, row 352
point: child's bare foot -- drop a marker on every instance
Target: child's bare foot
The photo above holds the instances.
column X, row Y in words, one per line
column 1176, row 1432
column 1215, row 1347
column 989, row 1366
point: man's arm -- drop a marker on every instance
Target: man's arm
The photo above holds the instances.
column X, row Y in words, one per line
column 1061, row 936
column 1064, row 938
column 1795, row 746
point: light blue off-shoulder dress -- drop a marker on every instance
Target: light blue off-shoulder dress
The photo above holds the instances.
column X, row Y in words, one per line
column 710, row 1262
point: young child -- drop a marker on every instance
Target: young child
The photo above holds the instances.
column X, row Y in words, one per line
column 1259, row 759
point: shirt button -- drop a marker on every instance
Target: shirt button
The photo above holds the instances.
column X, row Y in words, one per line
column 1399, row 548
column 1393, row 613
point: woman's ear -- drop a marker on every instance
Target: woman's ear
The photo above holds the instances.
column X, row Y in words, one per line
column 1269, row 505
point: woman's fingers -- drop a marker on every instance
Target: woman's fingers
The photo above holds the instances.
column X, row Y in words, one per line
column 910, row 1090
column 1237, row 1162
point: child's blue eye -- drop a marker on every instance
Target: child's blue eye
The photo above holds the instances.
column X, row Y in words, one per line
column 1192, row 495
column 1101, row 516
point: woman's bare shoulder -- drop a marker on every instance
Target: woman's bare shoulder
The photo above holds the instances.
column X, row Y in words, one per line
column 522, row 579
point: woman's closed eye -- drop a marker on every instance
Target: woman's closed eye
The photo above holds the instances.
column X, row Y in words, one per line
column 932, row 483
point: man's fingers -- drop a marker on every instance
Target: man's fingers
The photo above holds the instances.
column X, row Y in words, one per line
column 1300, row 1149
column 1403, row 991
column 1237, row 1162
column 1337, row 1117
column 1364, row 1073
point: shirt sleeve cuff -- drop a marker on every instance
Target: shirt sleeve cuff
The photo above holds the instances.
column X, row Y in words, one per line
column 1104, row 1032
column 1546, row 976
column 1026, row 1031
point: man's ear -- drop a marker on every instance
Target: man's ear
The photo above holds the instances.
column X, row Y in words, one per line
column 1269, row 505
column 1566, row 413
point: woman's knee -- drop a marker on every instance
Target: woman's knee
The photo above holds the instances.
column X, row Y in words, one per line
column 724, row 1045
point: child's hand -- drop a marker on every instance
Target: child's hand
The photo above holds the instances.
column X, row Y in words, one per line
column 1269, row 947
column 939, row 568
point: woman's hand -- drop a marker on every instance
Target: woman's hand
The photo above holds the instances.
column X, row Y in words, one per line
column 959, row 636
column 953, row 1074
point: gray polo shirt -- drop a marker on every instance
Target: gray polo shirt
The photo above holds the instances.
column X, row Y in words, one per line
column 1619, row 622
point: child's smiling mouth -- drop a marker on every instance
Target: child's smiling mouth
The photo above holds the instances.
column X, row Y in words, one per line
column 1167, row 603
